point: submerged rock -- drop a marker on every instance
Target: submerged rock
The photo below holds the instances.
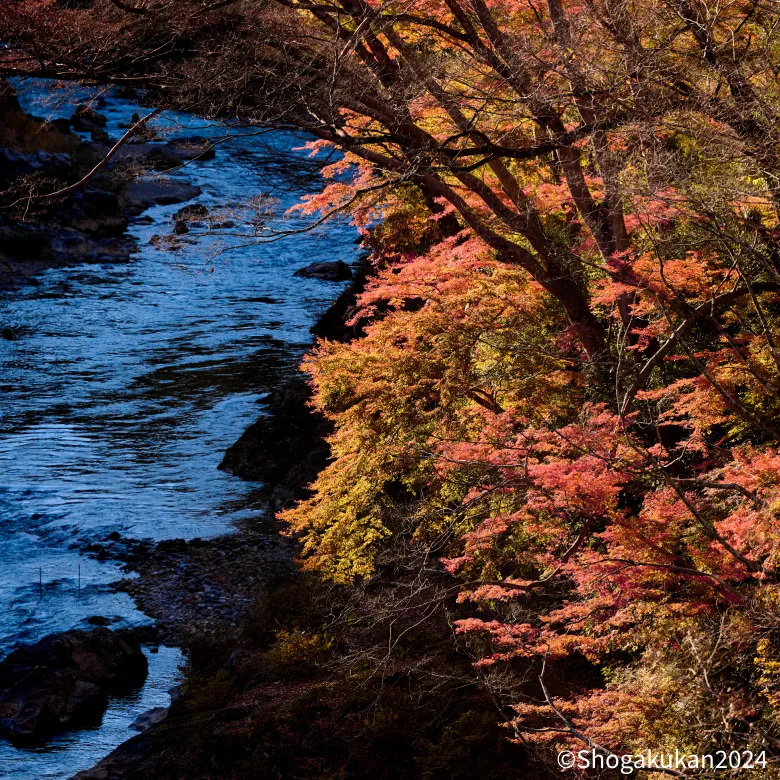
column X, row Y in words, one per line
column 62, row 682
column 98, row 620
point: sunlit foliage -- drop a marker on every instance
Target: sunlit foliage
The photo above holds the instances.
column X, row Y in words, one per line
column 566, row 398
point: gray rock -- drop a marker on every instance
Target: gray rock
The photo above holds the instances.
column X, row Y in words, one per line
column 336, row 271
column 145, row 192
column 149, row 718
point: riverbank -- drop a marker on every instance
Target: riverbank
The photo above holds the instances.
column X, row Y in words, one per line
column 217, row 598
column 290, row 676
column 88, row 224
column 124, row 383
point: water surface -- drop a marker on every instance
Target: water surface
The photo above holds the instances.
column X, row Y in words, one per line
column 120, row 389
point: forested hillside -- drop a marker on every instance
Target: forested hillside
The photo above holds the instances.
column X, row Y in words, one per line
column 556, row 434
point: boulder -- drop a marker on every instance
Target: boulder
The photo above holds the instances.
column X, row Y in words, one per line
column 99, row 136
column 149, row 718
column 98, row 620
column 144, row 192
column 192, row 212
column 27, row 242
column 63, row 681
column 162, row 158
column 286, row 445
column 85, row 119
column 336, row 271
column 332, row 325
column 193, row 148
column 15, row 163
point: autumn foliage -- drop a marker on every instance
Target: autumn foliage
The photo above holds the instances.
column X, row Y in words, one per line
column 567, row 394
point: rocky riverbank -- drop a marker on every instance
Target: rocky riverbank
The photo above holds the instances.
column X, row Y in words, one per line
column 62, row 682
column 199, row 589
column 215, row 597
column 40, row 229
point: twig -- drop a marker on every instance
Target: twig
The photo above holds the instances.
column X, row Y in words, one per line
column 114, row 149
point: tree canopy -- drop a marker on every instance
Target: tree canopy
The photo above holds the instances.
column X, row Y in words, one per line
column 567, row 393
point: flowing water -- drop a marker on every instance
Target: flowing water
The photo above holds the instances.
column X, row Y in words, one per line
column 121, row 385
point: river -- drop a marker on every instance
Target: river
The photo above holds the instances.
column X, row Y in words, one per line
column 121, row 386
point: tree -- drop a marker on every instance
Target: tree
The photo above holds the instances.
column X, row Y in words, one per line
column 568, row 389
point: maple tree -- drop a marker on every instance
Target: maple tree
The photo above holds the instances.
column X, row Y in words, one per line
column 567, row 391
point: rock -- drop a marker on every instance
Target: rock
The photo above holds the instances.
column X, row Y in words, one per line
column 144, row 150
column 149, row 718
column 332, row 325
column 123, row 762
column 98, row 620
column 87, row 120
column 162, row 158
column 180, row 228
column 100, row 136
column 285, row 445
column 144, row 192
column 27, row 242
column 169, row 546
column 337, row 271
column 192, row 212
column 176, row 694
column 84, row 113
column 15, row 163
column 61, row 124
column 100, row 203
column 63, row 681
column 193, row 148
column 136, row 117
